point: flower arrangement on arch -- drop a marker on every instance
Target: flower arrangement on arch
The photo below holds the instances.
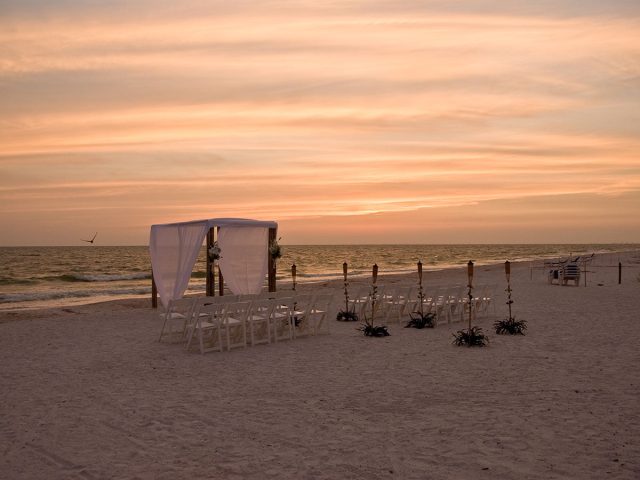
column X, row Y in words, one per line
column 275, row 250
column 215, row 251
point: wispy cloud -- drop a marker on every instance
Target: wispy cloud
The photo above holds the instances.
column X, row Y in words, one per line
column 296, row 111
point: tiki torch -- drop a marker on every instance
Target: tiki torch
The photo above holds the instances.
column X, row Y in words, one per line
column 420, row 293
column 345, row 267
column 507, row 271
column 470, row 275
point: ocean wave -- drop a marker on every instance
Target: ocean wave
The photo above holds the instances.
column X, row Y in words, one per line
column 17, row 281
column 79, row 277
column 58, row 294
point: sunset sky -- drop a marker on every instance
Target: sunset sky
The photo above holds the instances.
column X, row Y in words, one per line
column 344, row 121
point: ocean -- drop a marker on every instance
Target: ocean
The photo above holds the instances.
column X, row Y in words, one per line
column 38, row 277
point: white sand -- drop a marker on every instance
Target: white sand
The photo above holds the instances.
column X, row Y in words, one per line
column 90, row 393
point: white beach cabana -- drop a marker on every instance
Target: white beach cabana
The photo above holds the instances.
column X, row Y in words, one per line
column 244, row 259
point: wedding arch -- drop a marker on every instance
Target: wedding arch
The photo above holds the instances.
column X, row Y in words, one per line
column 243, row 262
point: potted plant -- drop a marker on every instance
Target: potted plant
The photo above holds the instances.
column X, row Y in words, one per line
column 421, row 320
column 473, row 337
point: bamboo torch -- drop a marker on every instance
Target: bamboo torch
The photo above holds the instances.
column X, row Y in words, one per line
column 374, row 292
column 420, row 294
column 507, row 271
column 345, row 268
column 470, row 275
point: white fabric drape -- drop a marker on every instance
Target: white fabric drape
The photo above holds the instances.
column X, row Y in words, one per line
column 244, row 260
column 174, row 250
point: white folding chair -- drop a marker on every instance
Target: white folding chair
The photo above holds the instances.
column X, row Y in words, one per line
column 206, row 325
column 319, row 313
column 359, row 300
column 234, row 324
column 397, row 302
column 259, row 321
column 300, row 313
column 481, row 300
column 281, row 323
column 441, row 305
column 490, row 298
column 175, row 319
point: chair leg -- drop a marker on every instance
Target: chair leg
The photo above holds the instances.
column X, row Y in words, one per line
column 163, row 325
column 201, row 341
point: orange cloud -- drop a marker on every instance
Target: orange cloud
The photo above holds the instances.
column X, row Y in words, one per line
column 359, row 117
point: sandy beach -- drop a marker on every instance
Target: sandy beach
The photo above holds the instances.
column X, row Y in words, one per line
column 88, row 392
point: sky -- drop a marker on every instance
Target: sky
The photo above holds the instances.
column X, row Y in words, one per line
column 344, row 121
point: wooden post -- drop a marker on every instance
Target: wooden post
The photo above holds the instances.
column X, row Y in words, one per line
column 272, row 263
column 211, row 278
column 154, row 293
column 619, row 273
column 293, row 275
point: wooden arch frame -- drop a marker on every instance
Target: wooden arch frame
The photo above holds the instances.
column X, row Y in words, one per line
column 214, row 226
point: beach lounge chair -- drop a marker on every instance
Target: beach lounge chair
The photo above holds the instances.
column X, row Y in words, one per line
column 553, row 272
column 555, row 268
column 570, row 272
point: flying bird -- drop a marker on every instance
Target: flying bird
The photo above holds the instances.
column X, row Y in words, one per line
column 90, row 241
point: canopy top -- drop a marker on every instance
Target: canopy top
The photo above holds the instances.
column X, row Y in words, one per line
column 222, row 222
